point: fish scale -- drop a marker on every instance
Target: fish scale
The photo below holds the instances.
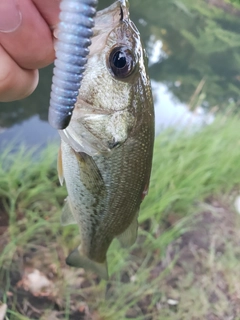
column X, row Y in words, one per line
column 106, row 151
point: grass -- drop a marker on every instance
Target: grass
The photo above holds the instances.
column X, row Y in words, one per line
column 187, row 167
column 194, row 177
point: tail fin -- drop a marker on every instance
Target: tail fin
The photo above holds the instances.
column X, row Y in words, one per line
column 78, row 260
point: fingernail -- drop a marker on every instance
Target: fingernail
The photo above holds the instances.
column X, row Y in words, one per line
column 10, row 16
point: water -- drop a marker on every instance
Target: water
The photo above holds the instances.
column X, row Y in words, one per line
column 194, row 65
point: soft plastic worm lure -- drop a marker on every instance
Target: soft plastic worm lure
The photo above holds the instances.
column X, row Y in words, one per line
column 75, row 31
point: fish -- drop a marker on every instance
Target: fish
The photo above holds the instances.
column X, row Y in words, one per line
column 105, row 156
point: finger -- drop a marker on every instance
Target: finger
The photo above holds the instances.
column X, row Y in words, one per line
column 49, row 10
column 31, row 45
column 15, row 83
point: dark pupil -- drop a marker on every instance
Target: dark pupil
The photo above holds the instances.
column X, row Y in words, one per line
column 119, row 60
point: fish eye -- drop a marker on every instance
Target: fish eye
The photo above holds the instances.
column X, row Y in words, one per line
column 122, row 62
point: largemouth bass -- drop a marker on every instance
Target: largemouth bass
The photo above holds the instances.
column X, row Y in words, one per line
column 106, row 152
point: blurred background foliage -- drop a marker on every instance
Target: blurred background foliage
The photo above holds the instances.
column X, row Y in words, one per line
column 201, row 40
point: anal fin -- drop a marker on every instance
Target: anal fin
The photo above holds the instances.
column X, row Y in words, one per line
column 129, row 236
column 67, row 214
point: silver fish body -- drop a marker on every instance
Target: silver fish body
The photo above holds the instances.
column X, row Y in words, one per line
column 106, row 151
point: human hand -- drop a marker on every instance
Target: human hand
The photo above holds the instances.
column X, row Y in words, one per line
column 26, row 44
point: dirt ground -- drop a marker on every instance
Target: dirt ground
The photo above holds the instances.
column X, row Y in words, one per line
column 205, row 280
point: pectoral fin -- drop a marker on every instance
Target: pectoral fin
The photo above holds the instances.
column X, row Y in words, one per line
column 90, row 174
column 78, row 260
column 67, row 215
column 129, row 236
column 60, row 167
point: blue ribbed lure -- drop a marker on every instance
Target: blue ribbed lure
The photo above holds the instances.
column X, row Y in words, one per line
column 75, row 31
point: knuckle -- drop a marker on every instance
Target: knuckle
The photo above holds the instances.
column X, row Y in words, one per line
column 16, row 83
column 6, row 81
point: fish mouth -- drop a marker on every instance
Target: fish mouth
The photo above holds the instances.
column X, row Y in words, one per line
column 120, row 8
column 110, row 17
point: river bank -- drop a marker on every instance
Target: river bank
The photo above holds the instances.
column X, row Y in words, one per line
column 184, row 264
